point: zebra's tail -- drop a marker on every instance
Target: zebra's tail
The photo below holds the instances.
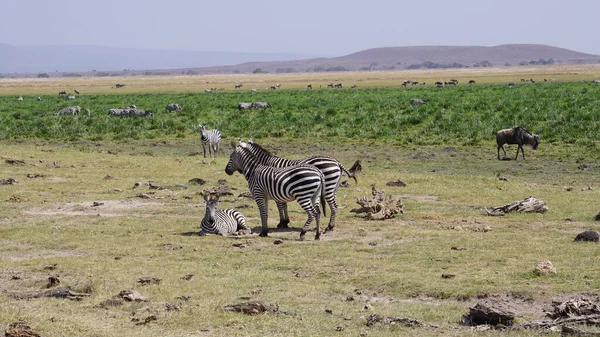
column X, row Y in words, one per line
column 353, row 170
column 323, row 195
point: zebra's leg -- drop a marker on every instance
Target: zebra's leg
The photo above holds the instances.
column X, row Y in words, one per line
column 333, row 206
column 310, row 211
column 284, row 219
column 263, row 208
column 204, row 150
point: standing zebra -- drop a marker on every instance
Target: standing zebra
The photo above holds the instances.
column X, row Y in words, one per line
column 212, row 138
column 303, row 183
column 222, row 222
column 330, row 167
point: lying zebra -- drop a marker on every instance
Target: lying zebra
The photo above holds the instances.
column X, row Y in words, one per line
column 223, row 222
column 331, row 168
column 303, row 183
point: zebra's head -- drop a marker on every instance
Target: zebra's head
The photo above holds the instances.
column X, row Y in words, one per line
column 211, row 202
column 235, row 160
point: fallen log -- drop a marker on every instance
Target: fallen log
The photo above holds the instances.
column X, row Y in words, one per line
column 527, row 205
column 62, row 292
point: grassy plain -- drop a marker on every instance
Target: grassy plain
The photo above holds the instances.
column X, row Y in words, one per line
column 393, row 268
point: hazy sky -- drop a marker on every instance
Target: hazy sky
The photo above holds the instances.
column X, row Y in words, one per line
column 324, row 27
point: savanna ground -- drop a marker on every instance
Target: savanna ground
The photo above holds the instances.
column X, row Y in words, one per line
column 75, row 205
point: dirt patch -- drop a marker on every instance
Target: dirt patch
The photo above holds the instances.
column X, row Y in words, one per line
column 107, row 208
column 420, row 197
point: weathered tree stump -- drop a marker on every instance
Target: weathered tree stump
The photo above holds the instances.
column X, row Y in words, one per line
column 381, row 207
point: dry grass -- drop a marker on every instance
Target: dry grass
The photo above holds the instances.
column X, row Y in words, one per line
column 363, row 79
column 395, row 266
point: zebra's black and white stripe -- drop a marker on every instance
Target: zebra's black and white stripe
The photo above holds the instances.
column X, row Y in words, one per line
column 303, row 183
column 223, row 222
column 332, row 170
column 212, row 138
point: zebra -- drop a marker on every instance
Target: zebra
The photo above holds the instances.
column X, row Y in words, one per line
column 70, row 110
column 303, row 183
column 331, row 168
column 212, row 138
column 223, row 222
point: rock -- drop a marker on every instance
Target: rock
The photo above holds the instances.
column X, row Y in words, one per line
column 544, row 268
column 487, row 314
column 278, row 241
column 587, row 236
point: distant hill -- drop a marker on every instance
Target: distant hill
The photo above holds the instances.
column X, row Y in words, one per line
column 80, row 60
column 47, row 59
column 423, row 57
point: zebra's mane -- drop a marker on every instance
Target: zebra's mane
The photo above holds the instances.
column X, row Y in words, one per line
column 260, row 148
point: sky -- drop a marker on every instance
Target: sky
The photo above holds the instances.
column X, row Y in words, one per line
column 315, row 27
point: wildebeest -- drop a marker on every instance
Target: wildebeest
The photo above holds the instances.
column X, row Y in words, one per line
column 273, row 87
column 239, row 85
column 517, row 135
column 70, row 98
column 245, row 106
column 472, row 82
column 309, row 86
column 354, row 86
column 70, row 110
column 20, row 99
column 77, row 92
column 118, row 85
column 337, row 85
column 62, row 93
column 173, row 107
column 417, row 101
column 262, row 105
column 512, row 84
column 329, row 85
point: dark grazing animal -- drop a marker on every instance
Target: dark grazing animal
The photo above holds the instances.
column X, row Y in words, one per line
column 239, row 85
column 212, row 138
column 303, row 183
column 223, row 222
column 519, row 136
column 62, row 93
column 472, row 82
column 309, row 86
column 77, row 92
column 332, row 169
column 118, row 85
column 173, row 107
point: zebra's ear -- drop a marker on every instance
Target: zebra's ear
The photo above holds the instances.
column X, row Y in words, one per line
column 205, row 195
column 233, row 145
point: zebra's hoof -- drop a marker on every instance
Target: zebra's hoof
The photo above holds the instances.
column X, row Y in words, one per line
column 328, row 229
column 317, row 236
column 283, row 225
column 263, row 234
column 302, row 235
